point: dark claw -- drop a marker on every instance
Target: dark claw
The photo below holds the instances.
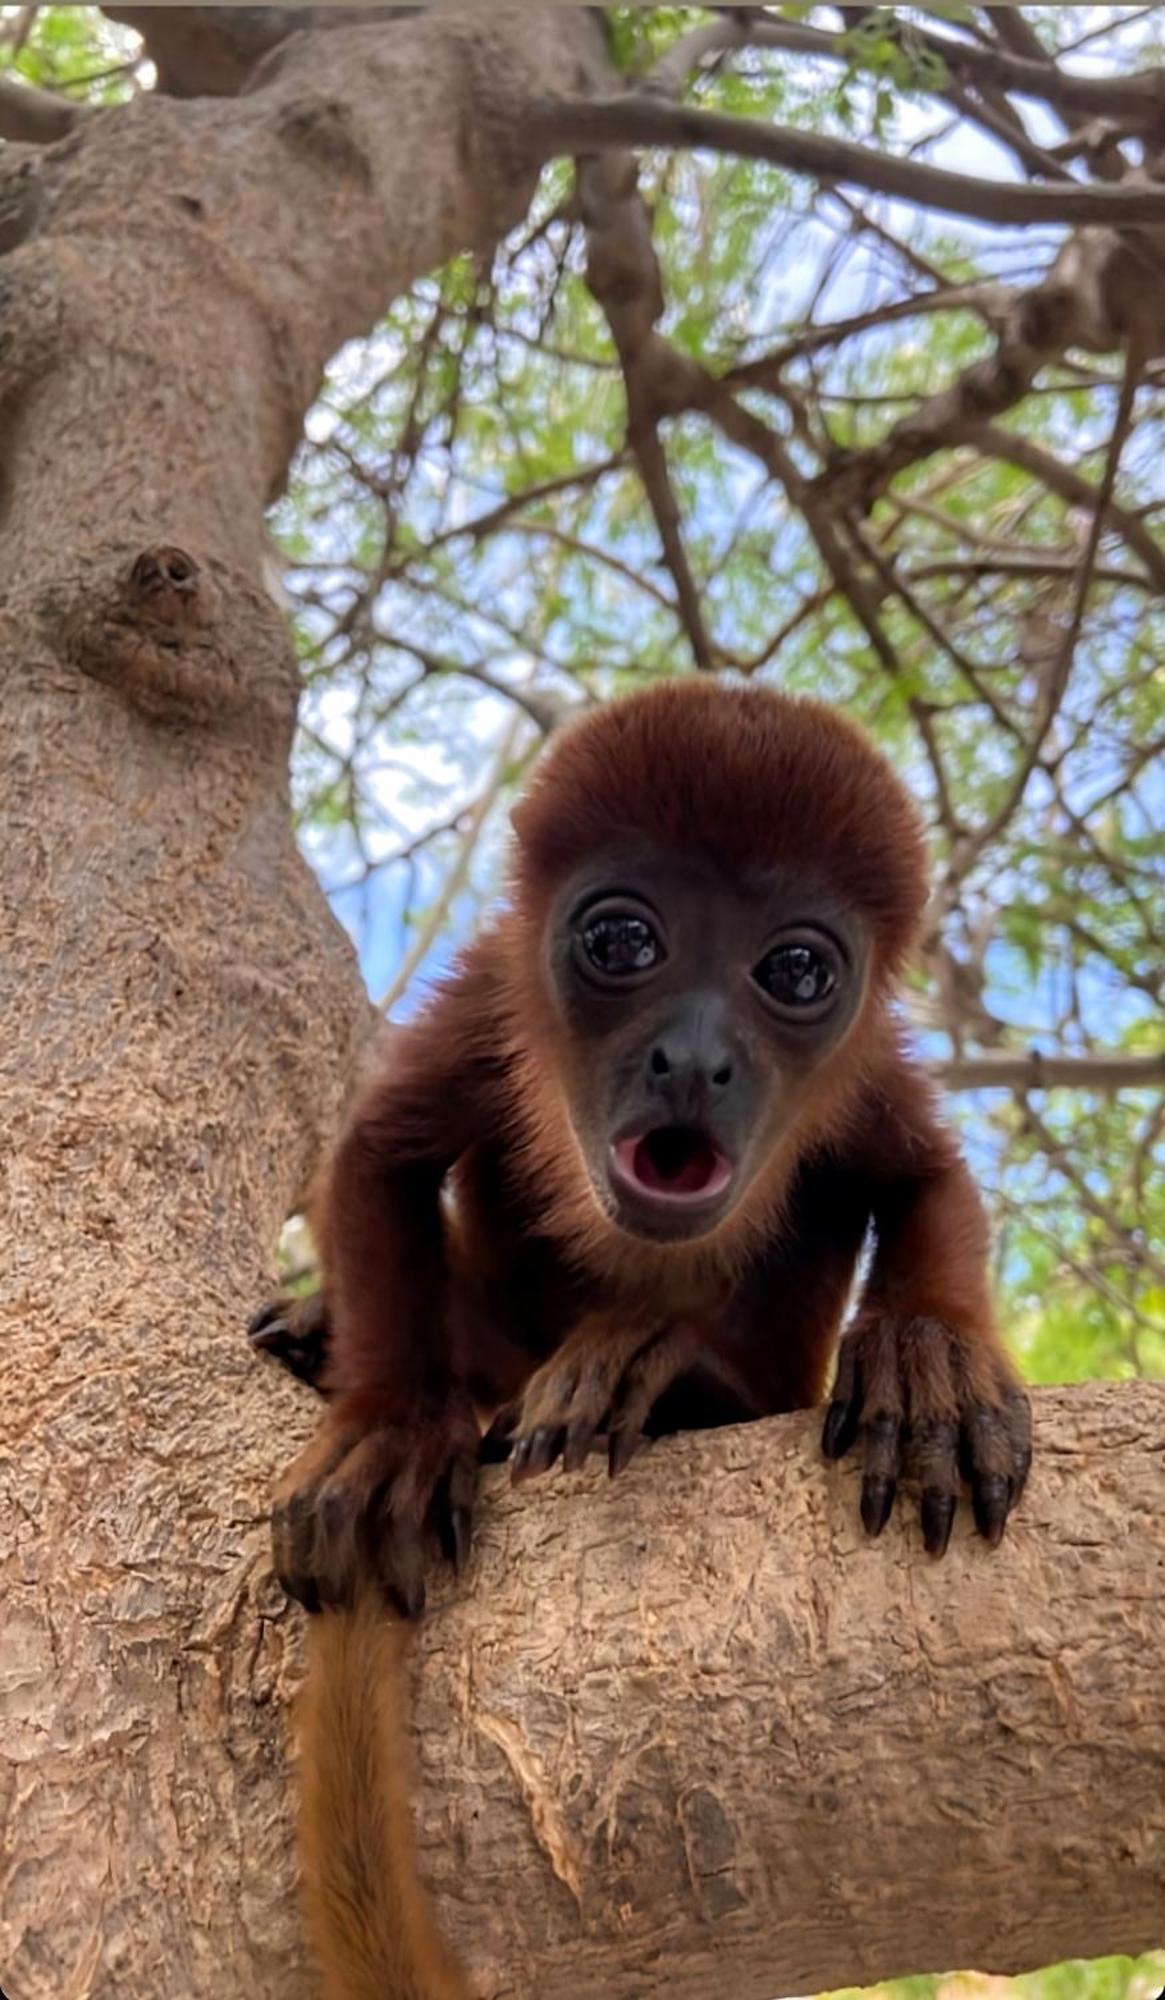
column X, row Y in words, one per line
column 938, row 1514
column 268, row 1319
column 622, row 1446
column 520, row 1459
column 877, row 1501
column 991, row 1499
column 841, row 1428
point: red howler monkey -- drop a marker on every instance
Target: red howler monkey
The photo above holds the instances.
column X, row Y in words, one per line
column 667, row 1097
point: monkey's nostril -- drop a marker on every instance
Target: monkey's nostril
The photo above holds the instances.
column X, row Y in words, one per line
column 722, row 1075
column 660, row 1065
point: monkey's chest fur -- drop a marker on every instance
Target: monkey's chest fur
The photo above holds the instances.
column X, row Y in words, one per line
column 772, row 1319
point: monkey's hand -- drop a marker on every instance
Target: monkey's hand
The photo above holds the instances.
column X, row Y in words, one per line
column 916, row 1393
column 606, row 1376
column 367, row 1494
column 295, row 1332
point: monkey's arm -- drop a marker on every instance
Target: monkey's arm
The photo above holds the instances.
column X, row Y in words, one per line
column 396, row 1449
column 923, row 1378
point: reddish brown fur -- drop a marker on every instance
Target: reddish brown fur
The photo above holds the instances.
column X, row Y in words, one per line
column 368, row 1916
column 431, row 1313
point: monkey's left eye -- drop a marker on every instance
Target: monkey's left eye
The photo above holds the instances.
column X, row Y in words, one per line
column 798, row 976
column 618, row 943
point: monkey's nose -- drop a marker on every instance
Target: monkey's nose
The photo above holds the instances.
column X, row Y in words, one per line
column 689, row 1066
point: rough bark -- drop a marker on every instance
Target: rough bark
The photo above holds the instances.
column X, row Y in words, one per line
column 180, row 1012
column 690, row 1734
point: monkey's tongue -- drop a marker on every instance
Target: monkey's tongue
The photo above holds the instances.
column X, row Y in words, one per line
column 673, row 1162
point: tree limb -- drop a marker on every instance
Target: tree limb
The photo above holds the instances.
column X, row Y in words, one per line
column 1138, row 98
column 1036, row 1071
column 689, row 1733
column 1014, row 449
column 598, row 125
column 624, row 278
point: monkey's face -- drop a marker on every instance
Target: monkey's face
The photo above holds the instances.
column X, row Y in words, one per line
column 697, row 1008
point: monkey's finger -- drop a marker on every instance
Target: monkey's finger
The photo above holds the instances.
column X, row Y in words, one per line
column 938, row 1515
column 580, row 1436
column 292, row 1540
column 622, row 1445
column 934, row 1453
column 639, row 1390
column 644, row 1380
column 399, row 1562
column 987, row 1453
column 536, row 1452
column 843, row 1417
column 1018, row 1411
column 840, row 1428
column 344, row 1526
column 882, row 1457
column 453, row 1510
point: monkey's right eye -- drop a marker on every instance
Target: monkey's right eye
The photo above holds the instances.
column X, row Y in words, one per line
column 618, row 944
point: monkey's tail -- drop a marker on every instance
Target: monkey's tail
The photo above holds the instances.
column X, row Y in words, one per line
column 369, row 1918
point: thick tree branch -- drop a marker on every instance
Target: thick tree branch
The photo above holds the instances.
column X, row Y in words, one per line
column 689, row 1733
column 640, row 120
column 208, row 51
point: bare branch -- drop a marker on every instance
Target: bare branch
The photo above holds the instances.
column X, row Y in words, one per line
column 1035, row 1071
column 988, row 297
column 458, row 875
column 1136, row 99
column 606, row 124
column 1033, row 566
column 483, row 525
column 1071, row 486
column 1132, row 1242
column 623, row 275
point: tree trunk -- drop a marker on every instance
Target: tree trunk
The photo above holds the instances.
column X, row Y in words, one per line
column 691, row 1734
column 180, row 1012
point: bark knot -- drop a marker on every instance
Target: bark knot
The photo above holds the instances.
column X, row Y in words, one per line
column 170, row 588
column 184, row 639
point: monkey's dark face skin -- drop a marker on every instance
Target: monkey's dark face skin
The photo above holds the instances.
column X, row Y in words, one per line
column 699, row 1006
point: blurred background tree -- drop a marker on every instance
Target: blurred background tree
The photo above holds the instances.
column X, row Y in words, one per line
column 885, row 426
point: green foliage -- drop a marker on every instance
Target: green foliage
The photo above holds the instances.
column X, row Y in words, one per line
column 1078, row 1979
column 77, row 51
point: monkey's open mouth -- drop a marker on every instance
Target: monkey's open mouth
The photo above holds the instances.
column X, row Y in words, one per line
column 673, row 1164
